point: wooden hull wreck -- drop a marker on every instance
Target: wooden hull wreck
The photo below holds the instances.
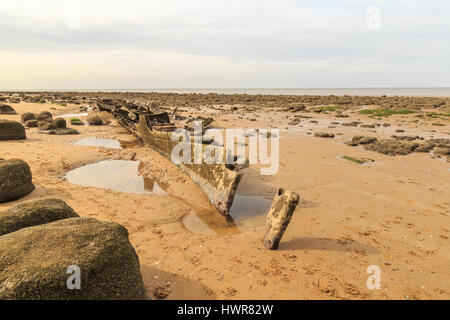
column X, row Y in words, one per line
column 218, row 181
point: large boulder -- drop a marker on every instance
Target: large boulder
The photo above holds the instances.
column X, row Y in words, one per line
column 11, row 130
column 32, row 213
column 28, row 116
column 15, row 180
column 41, row 262
column 6, row 109
column 60, row 123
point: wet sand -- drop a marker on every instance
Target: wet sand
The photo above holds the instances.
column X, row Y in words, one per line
column 393, row 212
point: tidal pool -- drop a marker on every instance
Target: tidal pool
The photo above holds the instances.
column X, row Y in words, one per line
column 117, row 175
column 246, row 214
column 73, row 115
column 96, row 142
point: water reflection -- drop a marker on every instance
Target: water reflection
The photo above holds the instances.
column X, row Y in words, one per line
column 118, row 175
column 246, row 214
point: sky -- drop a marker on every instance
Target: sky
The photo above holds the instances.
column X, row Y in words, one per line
column 133, row 44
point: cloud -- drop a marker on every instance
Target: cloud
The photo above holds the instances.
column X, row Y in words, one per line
column 240, row 35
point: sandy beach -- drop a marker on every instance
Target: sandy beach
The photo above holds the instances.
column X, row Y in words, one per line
column 391, row 211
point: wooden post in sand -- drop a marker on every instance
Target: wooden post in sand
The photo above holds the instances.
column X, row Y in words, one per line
column 280, row 214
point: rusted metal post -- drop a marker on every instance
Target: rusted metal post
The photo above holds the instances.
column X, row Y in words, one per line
column 280, row 214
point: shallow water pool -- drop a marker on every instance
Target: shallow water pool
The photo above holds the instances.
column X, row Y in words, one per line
column 117, row 175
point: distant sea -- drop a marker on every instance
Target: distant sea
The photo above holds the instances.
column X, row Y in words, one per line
column 424, row 92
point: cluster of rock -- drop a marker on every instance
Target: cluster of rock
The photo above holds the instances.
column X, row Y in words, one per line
column 403, row 145
column 42, row 240
column 196, row 100
column 46, row 124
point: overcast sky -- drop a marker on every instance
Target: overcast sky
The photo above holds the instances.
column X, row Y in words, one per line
column 111, row 44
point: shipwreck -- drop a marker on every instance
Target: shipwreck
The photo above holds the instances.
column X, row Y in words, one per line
column 155, row 129
column 218, row 181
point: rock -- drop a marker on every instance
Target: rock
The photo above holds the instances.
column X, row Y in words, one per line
column 106, row 117
column 60, row 123
column 28, row 116
column 351, row 124
column 161, row 293
column 35, row 261
column 296, row 108
column 351, row 143
column 363, row 140
column 67, row 131
column 94, row 120
column 32, row 123
column 324, row 135
column 412, row 146
column 425, row 147
column 6, row 109
column 368, row 140
column 441, row 143
column 15, row 180
column 280, row 214
column 76, row 122
column 404, row 138
column 392, row 147
column 11, row 130
column 45, row 116
column 59, row 132
column 32, row 213
column 439, row 151
column 42, row 125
